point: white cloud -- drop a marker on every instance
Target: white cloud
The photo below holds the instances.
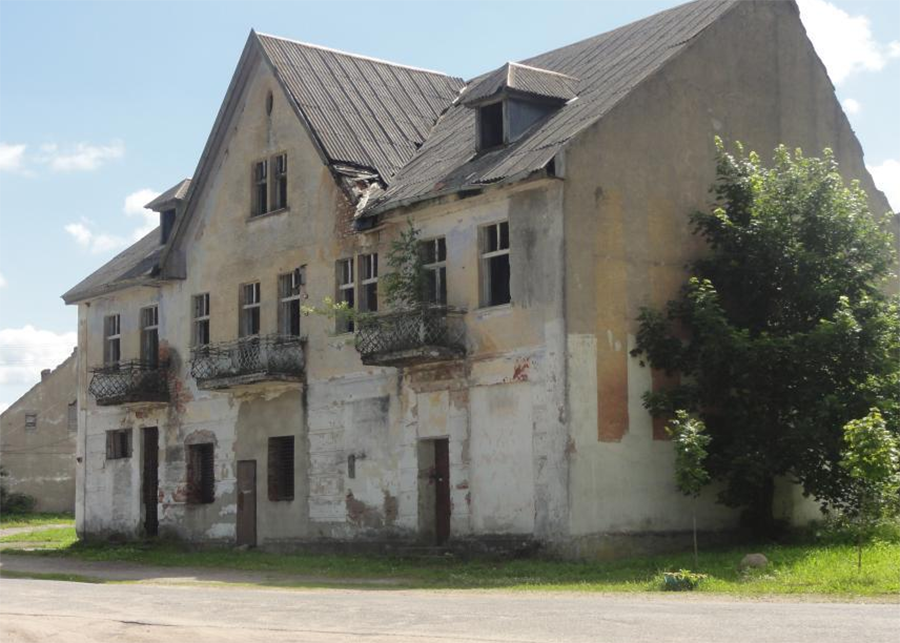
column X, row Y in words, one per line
column 2, row 281
column 851, row 106
column 844, row 43
column 82, row 157
column 3, row 406
column 11, row 157
column 887, row 178
column 26, row 351
column 86, row 236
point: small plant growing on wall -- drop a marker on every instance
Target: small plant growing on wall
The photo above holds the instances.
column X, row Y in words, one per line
column 871, row 456
column 691, row 444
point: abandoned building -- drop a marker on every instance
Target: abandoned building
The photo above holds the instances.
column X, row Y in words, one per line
column 37, row 439
column 551, row 198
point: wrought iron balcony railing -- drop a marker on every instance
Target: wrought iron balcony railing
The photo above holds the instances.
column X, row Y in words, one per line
column 431, row 334
column 248, row 360
column 129, row 381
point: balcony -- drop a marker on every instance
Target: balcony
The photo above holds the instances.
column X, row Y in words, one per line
column 249, row 360
column 129, row 382
column 424, row 336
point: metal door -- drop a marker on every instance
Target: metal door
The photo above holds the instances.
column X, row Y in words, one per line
column 442, row 490
column 150, row 480
column 246, row 502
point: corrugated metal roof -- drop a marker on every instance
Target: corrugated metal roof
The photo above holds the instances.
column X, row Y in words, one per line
column 175, row 193
column 525, row 79
column 364, row 112
column 607, row 67
column 135, row 262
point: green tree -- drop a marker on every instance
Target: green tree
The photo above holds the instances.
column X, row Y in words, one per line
column 872, row 459
column 405, row 285
column 690, row 442
column 783, row 333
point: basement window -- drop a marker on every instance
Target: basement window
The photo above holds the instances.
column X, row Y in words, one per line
column 495, row 270
column 201, row 481
column 281, row 468
column 250, row 307
column 290, row 287
column 490, row 126
column 118, row 444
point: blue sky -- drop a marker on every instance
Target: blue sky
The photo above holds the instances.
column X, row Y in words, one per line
column 103, row 105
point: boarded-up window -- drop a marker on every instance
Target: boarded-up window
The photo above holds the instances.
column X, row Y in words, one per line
column 31, row 421
column 281, row 468
column 118, row 444
column 72, row 417
column 201, row 479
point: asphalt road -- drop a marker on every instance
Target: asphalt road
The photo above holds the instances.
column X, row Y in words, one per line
column 38, row 610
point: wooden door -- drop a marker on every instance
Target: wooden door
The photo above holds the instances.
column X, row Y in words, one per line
column 442, row 490
column 150, row 480
column 246, row 502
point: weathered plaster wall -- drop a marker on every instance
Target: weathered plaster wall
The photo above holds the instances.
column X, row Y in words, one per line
column 41, row 462
column 632, row 180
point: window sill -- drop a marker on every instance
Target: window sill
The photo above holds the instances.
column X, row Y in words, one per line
column 270, row 213
column 489, row 311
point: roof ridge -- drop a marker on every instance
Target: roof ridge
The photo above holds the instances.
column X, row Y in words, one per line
column 353, row 55
column 543, row 70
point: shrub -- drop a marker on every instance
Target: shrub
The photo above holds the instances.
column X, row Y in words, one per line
column 684, row 580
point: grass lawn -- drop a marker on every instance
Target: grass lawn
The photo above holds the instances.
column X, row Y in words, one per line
column 795, row 569
column 35, row 520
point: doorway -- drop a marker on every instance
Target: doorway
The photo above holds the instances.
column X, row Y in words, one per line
column 150, row 479
column 441, row 491
column 246, row 503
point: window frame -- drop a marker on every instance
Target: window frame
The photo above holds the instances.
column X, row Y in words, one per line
column 345, row 290
column 247, row 309
column 485, row 261
column 200, row 317
column 149, row 318
column 368, row 282
column 436, row 270
column 72, row 417
column 290, row 290
column 112, row 322
column 118, row 448
column 31, row 418
column 260, row 181
column 503, row 131
column 280, row 477
column 279, row 184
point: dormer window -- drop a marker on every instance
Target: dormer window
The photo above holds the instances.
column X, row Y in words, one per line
column 512, row 99
column 491, row 126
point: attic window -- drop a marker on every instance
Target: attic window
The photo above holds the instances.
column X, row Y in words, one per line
column 490, row 125
column 270, row 102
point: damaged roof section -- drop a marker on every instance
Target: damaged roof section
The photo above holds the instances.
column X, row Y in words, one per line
column 607, row 67
column 366, row 114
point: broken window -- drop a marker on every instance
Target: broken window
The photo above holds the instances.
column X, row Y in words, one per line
column 201, row 480
column 250, row 307
column 289, row 291
column 279, row 187
column 281, row 468
column 72, row 417
column 345, row 294
column 31, row 421
column 495, row 264
column 490, row 126
column 260, row 188
column 150, row 335
column 368, row 285
column 434, row 261
column 112, row 340
column 118, row 444
column 201, row 320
